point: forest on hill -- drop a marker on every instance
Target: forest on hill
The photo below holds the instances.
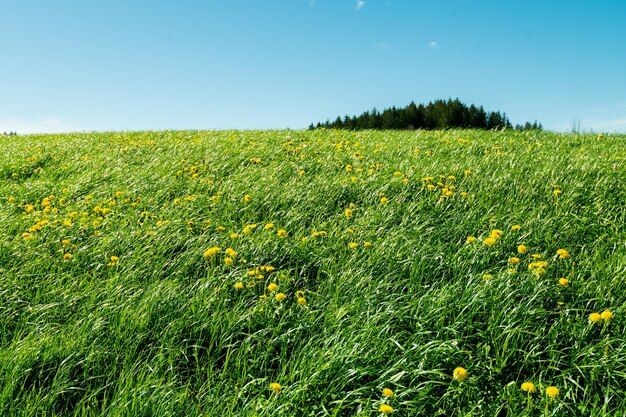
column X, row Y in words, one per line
column 438, row 114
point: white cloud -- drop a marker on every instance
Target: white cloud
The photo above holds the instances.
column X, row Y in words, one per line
column 44, row 125
column 359, row 4
column 433, row 45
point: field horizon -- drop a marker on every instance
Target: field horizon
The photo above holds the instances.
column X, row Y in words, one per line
column 313, row 273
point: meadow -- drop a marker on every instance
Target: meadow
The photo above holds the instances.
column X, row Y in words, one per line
column 313, row 273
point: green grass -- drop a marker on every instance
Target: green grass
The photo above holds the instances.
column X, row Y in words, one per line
column 163, row 330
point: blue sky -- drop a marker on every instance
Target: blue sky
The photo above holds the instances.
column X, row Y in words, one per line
column 151, row 64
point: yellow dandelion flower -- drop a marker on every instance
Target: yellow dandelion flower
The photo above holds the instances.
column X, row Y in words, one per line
column 247, row 198
column 563, row 254
column 496, row 233
column 552, row 391
column 276, row 387
column 487, row 276
column 367, row 244
column 490, row 241
column 353, row 245
column 233, row 236
column 384, row 200
column 65, row 242
column 301, row 301
column 212, row 252
column 299, row 294
column 238, row 285
column 385, row 409
column 529, row 387
column 113, row 260
column 514, row 260
column 460, row 374
column 557, row 192
column 231, row 252
column 388, row 392
column 467, row 172
column 537, row 265
column 228, row 261
column 67, row 256
column 522, row 249
column 280, row 297
column 516, row 227
column 470, row 239
column 272, row 287
column 348, row 213
column 606, row 315
column 301, row 173
column 282, row 233
column 563, row 282
column 595, row 317
column 269, row 226
column 11, row 199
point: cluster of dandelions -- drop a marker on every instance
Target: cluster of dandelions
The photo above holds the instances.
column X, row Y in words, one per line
column 385, row 407
column 530, row 388
column 460, row 374
column 605, row 316
column 536, row 265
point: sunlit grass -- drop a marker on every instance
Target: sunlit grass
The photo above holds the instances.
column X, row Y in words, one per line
column 291, row 273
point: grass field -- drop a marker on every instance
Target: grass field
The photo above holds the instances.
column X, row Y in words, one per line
column 323, row 273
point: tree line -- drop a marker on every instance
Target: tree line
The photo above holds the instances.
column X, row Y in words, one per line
column 438, row 114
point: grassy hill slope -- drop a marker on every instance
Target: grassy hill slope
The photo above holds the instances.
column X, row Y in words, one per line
column 182, row 273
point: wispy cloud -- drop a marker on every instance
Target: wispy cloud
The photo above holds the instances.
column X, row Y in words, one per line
column 48, row 124
column 359, row 4
column 433, row 45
